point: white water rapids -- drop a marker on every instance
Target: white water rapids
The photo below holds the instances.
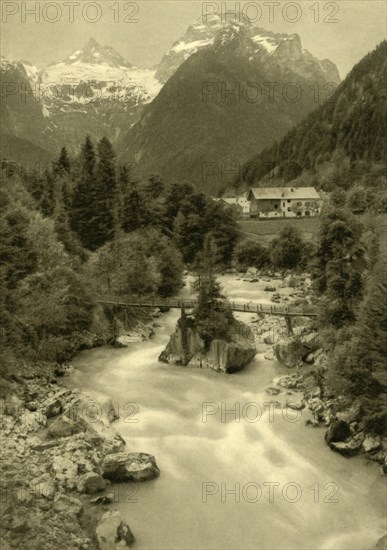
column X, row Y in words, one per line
column 236, row 480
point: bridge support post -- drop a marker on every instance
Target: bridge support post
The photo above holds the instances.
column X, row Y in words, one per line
column 184, row 337
column 288, row 320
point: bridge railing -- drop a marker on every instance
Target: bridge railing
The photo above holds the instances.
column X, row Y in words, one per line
column 268, row 309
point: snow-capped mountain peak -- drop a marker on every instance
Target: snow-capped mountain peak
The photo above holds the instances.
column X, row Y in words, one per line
column 243, row 36
column 95, row 88
column 105, row 72
column 94, row 54
column 233, row 35
column 25, row 68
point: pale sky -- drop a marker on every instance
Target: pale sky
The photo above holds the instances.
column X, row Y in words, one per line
column 50, row 34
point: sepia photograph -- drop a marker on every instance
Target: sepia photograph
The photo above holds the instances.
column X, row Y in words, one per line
column 193, row 275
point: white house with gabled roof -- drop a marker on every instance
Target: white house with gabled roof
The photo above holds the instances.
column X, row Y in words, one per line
column 284, row 202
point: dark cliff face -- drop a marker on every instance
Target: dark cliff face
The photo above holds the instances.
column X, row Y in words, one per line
column 186, row 348
column 23, row 125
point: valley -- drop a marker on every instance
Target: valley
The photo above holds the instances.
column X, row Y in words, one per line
column 95, row 91
column 193, row 292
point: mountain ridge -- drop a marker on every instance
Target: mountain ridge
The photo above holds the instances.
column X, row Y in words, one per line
column 96, row 90
column 205, row 116
column 329, row 146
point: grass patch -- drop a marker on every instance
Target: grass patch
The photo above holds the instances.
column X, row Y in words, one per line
column 264, row 231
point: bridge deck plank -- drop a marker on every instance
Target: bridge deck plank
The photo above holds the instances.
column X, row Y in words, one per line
column 240, row 307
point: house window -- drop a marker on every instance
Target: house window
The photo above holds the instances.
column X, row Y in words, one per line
column 289, row 209
column 307, row 204
column 307, row 213
column 288, row 200
column 299, row 204
column 275, row 206
column 283, row 204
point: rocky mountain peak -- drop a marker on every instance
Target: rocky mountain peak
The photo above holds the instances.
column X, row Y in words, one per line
column 243, row 37
column 233, row 36
column 289, row 47
column 94, row 54
column 202, row 29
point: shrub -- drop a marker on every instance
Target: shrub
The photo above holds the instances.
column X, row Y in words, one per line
column 286, row 250
column 251, row 254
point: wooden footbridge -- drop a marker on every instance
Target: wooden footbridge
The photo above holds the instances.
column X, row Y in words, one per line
column 175, row 303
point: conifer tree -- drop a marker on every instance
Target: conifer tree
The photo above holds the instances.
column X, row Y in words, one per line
column 62, row 165
column 155, row 186
column 127, row 182
column 135, row 213
column 84, row 203
column 212, row 315
column 339, row 267
column 359, row 361
column 106, row 212
column 62, row 228
column 47, row 199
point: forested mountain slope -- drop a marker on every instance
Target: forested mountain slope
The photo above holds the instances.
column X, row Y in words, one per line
column 339, row 144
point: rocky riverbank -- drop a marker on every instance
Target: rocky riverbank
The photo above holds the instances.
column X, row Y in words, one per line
column 303, row 350
column 59, row 454
column 346, row 431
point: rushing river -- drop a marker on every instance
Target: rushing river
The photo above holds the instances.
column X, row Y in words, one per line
column 229, row 480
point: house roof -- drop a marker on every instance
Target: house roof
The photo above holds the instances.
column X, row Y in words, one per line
column 243, row 197
column 260, row 193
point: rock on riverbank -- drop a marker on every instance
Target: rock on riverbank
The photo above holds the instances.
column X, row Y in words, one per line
column 55, row 444
column 346, row 431
column 295, row 349
column 187, row 348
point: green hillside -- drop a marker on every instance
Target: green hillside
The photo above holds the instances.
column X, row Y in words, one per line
column 338, row 145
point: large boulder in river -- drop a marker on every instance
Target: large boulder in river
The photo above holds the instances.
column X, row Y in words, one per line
column 291, row 350
column 187, row 348
column 183, row 344
column 339, row 430
column 350, row 447
column 113, row 533
column 225, row 356
column 129, row 467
